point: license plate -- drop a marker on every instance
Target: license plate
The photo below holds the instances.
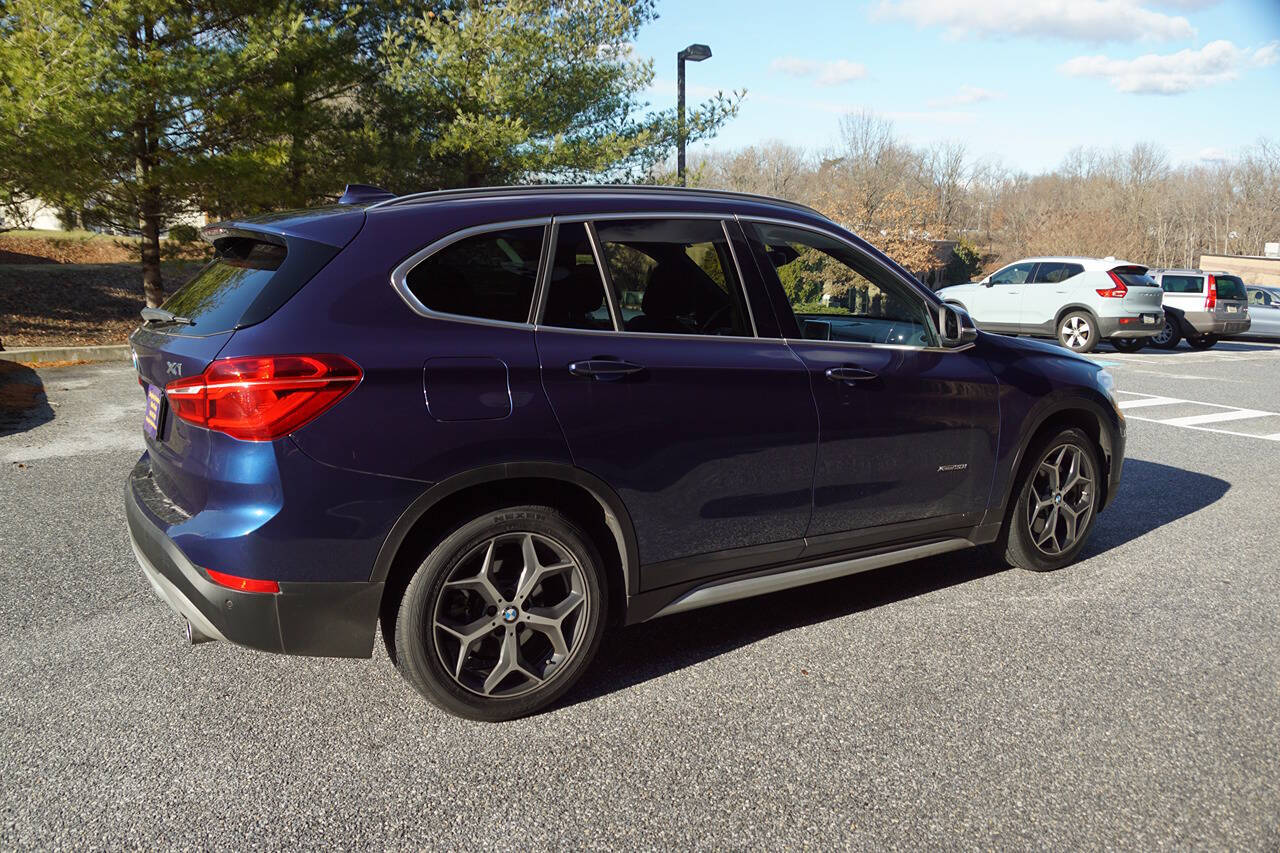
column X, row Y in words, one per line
column 151, row 420
column 1233, row 309
column 1150, row 318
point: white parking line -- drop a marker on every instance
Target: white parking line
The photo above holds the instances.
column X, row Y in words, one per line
column 1196, row 422
column 1149, row 401
column 1214, row 417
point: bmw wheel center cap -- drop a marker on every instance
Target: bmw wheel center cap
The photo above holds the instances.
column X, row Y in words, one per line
column 509, row 614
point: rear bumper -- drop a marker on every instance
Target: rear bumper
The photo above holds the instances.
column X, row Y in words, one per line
column 1131, row 326
column 1210, row 323
column 331, row 619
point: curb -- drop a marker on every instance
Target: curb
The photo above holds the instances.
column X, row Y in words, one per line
column 35, row 355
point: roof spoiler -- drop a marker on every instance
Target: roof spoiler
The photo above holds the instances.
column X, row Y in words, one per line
column 364, row 194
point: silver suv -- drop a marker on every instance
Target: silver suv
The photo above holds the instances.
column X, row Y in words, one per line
column 1079, row 301
column 1201, row 307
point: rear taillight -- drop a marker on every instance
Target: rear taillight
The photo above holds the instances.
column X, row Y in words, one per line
column 1117, row 292
column 1211, row 294
column 242, row 584
column 261, row 398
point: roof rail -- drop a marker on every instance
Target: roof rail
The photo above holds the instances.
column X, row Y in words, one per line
column 585, row 189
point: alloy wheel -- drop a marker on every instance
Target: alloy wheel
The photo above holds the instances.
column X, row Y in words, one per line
column 1061, row 501
column 1076, row 332
column 1163, row 336
column 510, row 615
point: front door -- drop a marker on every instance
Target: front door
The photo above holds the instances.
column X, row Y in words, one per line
column 707, row 432
column 908, row 429
column 1002, row 301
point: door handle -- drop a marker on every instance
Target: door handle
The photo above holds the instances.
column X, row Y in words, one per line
column 848, row 374
column 604, row 369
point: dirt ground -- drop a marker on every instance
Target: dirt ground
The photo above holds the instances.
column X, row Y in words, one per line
column 73, row 290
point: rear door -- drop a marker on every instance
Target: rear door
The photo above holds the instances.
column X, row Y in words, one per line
column 651, row 362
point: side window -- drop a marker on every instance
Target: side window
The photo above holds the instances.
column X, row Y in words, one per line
column 1016, row 274
column 1182, row 283
column 674, row 276
column 1052, row 272
column 1259, row 297
column 575, row 291
column 489, row 276
column 836, row 294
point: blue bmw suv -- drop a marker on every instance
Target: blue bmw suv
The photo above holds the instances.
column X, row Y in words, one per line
column 495, row 421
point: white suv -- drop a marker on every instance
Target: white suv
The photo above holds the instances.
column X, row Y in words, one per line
column 1201, row 307
column 1079, row 301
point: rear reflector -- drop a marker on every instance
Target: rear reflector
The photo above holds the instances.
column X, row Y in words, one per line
column 242, row 584
column 1211, row 298
column 1117, row 292
column 262, row 398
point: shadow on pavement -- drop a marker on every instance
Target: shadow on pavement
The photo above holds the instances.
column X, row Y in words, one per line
column 1151, row 496
column 1232, row 345
column 23, row 404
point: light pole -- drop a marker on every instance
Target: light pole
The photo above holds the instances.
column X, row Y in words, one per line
column 693, row 53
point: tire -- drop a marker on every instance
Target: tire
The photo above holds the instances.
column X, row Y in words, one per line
column 1167, row 337
column 1034, row 503
column 1202, row 342
column 1078, row 332
column 476, row 583
column 1128, row 344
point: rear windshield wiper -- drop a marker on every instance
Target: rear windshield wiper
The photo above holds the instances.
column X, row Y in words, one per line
column 160, row 315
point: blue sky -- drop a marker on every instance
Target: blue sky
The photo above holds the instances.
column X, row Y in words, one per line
column 1021, row 81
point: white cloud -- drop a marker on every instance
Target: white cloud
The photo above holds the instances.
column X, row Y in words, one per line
column 966, row 95
column 825, row 73
column 1212, row 155
column 1174, row 73
column 1077, row 20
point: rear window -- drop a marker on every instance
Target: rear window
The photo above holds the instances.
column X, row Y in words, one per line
column 488, row 276
column 1182, row 283
column 1135, row 277
column 1231, row 287
column 218, row 297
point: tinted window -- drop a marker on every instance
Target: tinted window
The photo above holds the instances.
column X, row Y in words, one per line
column 575, row 293
column 1230, row 287
column 836, row 294
column 1135, row 277
column 1052, row 272
column 1016, row 274
column 1173, row 283
column 217, row 297
column 674, row 276
column 1259, row 297
column 489, row 276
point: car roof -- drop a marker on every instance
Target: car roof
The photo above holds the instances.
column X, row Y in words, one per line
column 610, row 191
column 1087, row 262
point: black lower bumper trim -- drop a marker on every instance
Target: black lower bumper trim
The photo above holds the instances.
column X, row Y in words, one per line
column 324, row 619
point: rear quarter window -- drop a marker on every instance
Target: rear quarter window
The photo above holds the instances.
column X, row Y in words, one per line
column 487, row 276
column 1182, row 283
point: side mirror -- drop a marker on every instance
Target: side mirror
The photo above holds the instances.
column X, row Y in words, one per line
column 986, row 282
column 955, row 328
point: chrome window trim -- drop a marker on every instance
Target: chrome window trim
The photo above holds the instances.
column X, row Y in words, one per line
column 610, row 298
column 669, row 336
column 870, row 345
column 399, row 275
column 912, row 284
column 742, row 282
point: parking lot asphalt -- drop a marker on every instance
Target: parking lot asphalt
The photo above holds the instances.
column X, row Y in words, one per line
column 1132, row 699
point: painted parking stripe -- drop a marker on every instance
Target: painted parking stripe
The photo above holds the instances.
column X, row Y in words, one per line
column 1214, row 417
column 1199, row 423
column 1149, row 401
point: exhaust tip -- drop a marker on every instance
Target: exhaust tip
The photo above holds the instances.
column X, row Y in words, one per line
column 194, row 636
